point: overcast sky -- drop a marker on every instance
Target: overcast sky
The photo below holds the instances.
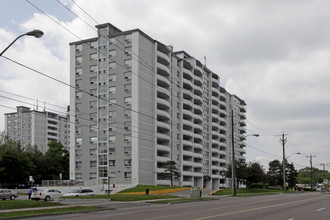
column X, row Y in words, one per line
column 273, row 54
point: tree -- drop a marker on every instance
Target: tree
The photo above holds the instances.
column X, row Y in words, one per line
column 171, row 171
column 240, row 168
column 57, row 160
column 15, row 165
column 292, row 175
column 275, row 176
column 254, row 174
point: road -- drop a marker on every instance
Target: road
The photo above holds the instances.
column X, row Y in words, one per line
column 284, row 206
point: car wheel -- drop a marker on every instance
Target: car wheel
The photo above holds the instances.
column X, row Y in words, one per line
column 47, row 198
column 12, row 197
column 4, row 199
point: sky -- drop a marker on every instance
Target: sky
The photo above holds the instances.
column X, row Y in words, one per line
column 273, row 54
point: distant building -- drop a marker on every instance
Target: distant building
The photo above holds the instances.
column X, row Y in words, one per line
column 31, row 127
column 138, row 104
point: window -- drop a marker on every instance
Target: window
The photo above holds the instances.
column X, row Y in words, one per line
column 128, row 87
column 93, row 140
column 112, row 114
column 92, row 163
column 128, row 100
column 78, row 141
column 92, row 116
column 128, row 174
column 112, row 53
column 79, row 60
column 93, row 80
column 93, row 56
column 112, row 77
column 128, row 63
column 128, row 138
column 78, row 106
column 112, row 150
column 128, row 37
column 78, row 153
column 112, row 138
column 112, row 163
column 93, row 128
column 103, row 160
column 112, row 101
column 112, row 40
column 78, row 71
column 112, row 89
column 93, row 92
column 78, row 164
column 93, row 68
column 112, row 175
column 128, row 150
column 127, row 113
column 92, row 176
column 112, row 65
column 79, row 47
column 78, row 95
column 128, row 162
column 78, row 176
column 128, row 75
column 112, row 126
column 78, row 129
column 94, row 44
column 92, row 104
column 128, row 126
column 128, row 50
column 103, row 172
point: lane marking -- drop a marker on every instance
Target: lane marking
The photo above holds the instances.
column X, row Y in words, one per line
column 320, row 209
column 254, row 209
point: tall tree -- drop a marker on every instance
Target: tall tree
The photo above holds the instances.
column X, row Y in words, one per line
column 57, row 160
column 254, row 173
column 275, row 176
column 292, row 175
column 171, row 171
column 240, row 168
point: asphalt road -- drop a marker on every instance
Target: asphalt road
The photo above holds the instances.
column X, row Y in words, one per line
column 285, row 206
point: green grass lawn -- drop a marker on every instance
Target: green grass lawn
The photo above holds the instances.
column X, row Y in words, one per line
column 21, row 204
column 123, row 197
column 47, row 211
column 142, row 188
column 245, row 192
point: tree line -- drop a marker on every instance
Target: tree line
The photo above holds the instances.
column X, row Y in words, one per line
column 254, row 175
column 18, row 163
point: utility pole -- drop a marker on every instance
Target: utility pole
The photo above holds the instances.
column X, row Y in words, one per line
column 283, row 140
column 323, row 164
column 311, row 162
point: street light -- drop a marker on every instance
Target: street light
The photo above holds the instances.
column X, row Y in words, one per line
column 284, row 180
column 35, row 33
column 233, row 171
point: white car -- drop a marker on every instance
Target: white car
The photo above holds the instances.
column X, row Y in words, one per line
column 80, row 192
column 8, row 194
column 45, row 194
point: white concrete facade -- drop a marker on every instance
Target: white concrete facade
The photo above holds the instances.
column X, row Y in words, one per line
column 138, row 104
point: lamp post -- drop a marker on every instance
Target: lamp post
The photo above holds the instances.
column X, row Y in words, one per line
column 284, row 177
column 233, row 170
column 35, row 33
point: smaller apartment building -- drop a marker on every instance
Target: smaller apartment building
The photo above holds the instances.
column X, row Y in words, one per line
column 32, row 127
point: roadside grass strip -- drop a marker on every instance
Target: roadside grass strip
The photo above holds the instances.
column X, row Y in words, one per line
column 21, row 204
column 47, row 211
column 155, row 192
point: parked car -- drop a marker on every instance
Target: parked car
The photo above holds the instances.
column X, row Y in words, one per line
column 45, row 194
column 80, row 192
column 8, row 194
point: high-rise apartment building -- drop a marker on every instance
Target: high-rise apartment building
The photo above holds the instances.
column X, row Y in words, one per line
column 32, row 127
column 138, row 104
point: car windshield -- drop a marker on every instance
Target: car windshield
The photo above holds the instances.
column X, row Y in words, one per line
column 76, row 191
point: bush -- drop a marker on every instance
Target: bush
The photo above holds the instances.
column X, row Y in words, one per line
column 260, row 185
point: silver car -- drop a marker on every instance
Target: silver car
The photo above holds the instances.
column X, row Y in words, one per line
column 8, row 194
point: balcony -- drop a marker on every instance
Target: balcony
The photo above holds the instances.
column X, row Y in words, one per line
column 163, row 68
column 161, row 124
column 163, row 56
